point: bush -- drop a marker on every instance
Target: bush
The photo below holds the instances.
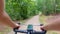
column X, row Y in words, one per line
column 20, row 9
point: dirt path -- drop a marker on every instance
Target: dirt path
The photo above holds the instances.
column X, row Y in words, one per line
column 34, row 21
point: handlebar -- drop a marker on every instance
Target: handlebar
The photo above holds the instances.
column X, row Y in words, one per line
column 21, row 31
column 30, row 30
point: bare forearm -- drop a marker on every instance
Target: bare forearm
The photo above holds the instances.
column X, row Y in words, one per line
column 4, row 18
column 53, row 25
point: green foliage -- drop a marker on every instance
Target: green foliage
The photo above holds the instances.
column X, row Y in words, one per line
column 23, row 9
column 20, row 9
column 48, row 7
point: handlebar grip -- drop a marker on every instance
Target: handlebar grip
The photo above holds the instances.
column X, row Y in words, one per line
column 41, row 24
column 18, row 23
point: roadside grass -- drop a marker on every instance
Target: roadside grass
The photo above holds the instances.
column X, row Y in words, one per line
column 5, row 31
column 42, row 19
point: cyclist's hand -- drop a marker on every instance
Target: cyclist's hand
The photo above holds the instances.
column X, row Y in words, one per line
column 17, row 27
column 41, row 27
